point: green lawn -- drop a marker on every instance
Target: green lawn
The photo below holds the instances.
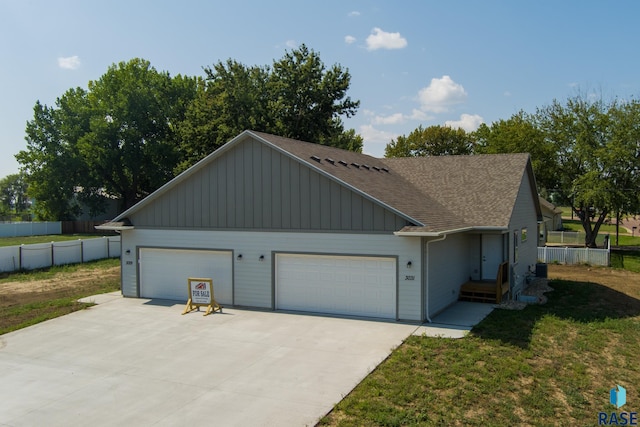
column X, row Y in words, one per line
column 627, row 260
column 551, row 364
column 28, row 240
column 623, row 239
column 576, row 225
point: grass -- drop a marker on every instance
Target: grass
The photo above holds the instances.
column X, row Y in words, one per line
column 623, row 239
column 550, row 364
column 28, row 240
column 576, row 225
column 628, row 260
column 21, row 309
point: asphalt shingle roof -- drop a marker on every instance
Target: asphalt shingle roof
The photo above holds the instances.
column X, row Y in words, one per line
column 434, row 194
column 437, row 193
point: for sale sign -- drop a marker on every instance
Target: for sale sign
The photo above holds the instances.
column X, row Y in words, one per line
column 201, row 294
column 201, row 291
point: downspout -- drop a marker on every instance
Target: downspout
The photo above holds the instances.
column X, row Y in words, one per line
column 427, row 277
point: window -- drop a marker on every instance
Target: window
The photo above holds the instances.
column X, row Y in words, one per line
column 523, row 235
column 515, row 246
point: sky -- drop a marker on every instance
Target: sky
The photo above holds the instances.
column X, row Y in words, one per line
column 455, row 63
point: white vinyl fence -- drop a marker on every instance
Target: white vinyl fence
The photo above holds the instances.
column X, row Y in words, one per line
column 17, row 229
column 573, row 238
column 41, row 255
column 549, row 254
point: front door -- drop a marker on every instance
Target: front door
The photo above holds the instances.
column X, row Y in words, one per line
column 492, row 255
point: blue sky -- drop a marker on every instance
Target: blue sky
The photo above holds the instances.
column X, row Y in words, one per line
column 412, row 63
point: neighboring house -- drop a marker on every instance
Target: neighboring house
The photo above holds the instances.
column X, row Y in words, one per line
column 287, row 225
column 551, row 220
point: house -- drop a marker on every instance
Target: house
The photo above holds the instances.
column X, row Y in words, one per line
column 551, row 220
column 282, row 224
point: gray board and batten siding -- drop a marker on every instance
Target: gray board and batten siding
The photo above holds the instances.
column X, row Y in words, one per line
column 254, row 186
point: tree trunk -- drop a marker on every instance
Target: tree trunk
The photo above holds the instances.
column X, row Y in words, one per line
column 590, row 233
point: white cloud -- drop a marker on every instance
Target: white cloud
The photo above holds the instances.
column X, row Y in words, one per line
column 353, row 13
column 69, row 62
column 349, row 39
column 420, row 115
column 379, row 39
column 373, row 135
column 292, row 44
column 468, row 122
column 393, row 119
column 441, row 95
column 375, row 140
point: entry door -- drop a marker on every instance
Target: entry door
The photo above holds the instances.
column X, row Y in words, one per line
column 492, row 255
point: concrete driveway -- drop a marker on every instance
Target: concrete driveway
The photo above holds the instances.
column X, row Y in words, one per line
column 135, row 362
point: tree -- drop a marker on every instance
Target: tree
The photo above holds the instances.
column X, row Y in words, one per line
column 308, row 100
column 623, row 156
column 520, row 134
column 50, row 163
column 233, row 98
column 597, row 151
column 13, row 194
column 431, row 141
column 297, row 98
column 116, row 139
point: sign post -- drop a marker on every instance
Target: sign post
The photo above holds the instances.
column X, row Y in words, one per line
column 201, row 294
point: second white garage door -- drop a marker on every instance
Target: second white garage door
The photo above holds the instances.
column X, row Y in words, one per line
column 357, row 286
column 164, row 273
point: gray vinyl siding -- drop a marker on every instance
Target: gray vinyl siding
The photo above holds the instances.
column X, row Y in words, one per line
column 448, row 263
column 523, row 215
column 253, row 186
column 253, row 279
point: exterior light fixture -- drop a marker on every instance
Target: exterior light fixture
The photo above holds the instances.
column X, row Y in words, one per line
column 239, row 257
column 409, row 264
column 261, row 258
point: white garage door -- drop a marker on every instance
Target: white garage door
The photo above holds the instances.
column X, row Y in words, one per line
column 164, row 273
column 358, row 286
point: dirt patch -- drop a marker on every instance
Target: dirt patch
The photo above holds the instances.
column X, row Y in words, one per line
column 623, row 281
column 62, row 284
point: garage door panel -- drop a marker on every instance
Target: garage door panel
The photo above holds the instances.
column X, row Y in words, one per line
column 164, row 272
column 360, row 286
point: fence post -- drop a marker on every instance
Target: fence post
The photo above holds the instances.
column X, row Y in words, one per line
column 52, row 255
column 108, row 247
column 20, row 257
column 81, row 251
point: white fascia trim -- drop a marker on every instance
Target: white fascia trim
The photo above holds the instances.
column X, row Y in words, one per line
column 114, row 227
column 447, row 232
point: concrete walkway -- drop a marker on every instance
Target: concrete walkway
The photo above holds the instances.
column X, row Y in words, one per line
column 137, row 362
column 456, row 321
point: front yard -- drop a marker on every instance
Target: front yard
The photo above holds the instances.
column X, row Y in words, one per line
column 550, row 364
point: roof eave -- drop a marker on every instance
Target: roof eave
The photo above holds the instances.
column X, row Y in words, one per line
column 113, row 227
column 415, row 233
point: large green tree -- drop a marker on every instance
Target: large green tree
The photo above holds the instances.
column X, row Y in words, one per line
column 116, row 139
column 232, row 98
column 298, row 97
column 307, row 99
column 597, row 148
column 13, row 194
column 431, row 141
